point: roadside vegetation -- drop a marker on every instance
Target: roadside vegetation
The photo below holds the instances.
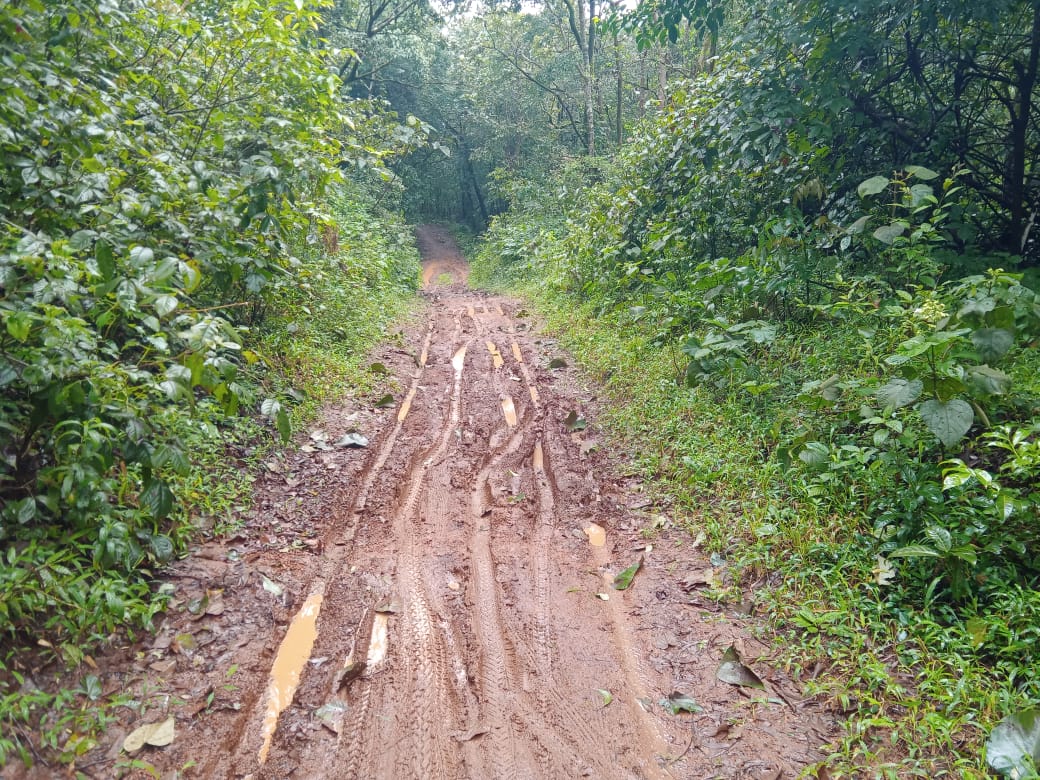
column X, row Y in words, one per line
column 197, row 246
column 823, row 345
column 797, row 241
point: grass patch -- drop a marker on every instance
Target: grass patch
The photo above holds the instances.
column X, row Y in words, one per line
column 917, row 684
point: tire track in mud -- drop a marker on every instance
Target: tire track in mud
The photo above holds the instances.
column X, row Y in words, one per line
column 475, row 687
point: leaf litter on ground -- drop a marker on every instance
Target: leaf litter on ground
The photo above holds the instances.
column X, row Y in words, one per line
column 155, row 734
column 623, row 580
column 733, row 671
column 677, row 702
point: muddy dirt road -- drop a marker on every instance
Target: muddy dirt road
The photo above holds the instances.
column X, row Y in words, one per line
column 439, row 604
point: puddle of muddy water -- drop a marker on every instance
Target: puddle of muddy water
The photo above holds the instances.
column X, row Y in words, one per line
column 538, row 459
column 285, row 674
column 406, row 405
column 517, row 353
column 597, row 535
column 496, row 356
column 509, row 410
column 380, row 641
column 534, row 395
column 459, row 360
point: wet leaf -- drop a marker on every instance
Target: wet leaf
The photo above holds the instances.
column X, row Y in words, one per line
column 573, row 422
column 352, row 440
column 624, row 579
column 698, row 578
column 872, row 186
column 155, row 734
column 603, row 596
column 92, row 687
column 646, row 703
column 679, row 702
column 184, row 643
column 606, row 696
column 386, row 607
column 1013, row 747
column 331, row 715
column 557, row 363
column 198, row 606
column 898, row 392
column 378, row 368
column 385, row 401
column 732, row 671
column 272, row 587
column 949, row 421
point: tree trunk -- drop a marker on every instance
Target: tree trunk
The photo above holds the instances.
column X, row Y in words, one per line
column 619, row 129
column 662, row 78
column 1015, row 194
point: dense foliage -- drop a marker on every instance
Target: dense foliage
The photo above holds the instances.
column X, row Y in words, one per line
column 803, row 238
column 171, row 204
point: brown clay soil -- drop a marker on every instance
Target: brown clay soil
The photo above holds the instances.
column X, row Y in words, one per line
column 439, row 604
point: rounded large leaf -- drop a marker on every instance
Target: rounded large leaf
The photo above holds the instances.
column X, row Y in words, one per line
column 949, row 421
column 1013, row 747
column 899, row 392
column 872, row 186
column 992, row 343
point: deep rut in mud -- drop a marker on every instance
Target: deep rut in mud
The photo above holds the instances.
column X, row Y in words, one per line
column 490, row 671
column 451, row 615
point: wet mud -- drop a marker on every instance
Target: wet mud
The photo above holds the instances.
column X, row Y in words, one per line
column 440, row 603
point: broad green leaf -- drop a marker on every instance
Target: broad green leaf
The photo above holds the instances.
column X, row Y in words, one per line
column 921, row 193
column 385, row 401
column 164, row 304
column 887, row 234
column 270, row 407
column 1013, row 747
column 943, row 387
column 162, row 547
column 281, row 420
column 19, row 325
column 899, row 392
column 623, row 580
column 984, row 380
column 992, row 343
column 677, row 702
column 872, row 186
column 157, row 497
column 106, row 261
column 949, row 421
column 859, row 225
column 915, row 551
column 922, row 173
column 815, row 455
column 605, row 696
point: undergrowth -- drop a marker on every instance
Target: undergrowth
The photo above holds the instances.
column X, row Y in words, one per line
column 917, row 685
column 845, row 406
column 308, row 349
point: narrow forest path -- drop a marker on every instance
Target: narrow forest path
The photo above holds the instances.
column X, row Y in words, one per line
column 439, row 603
